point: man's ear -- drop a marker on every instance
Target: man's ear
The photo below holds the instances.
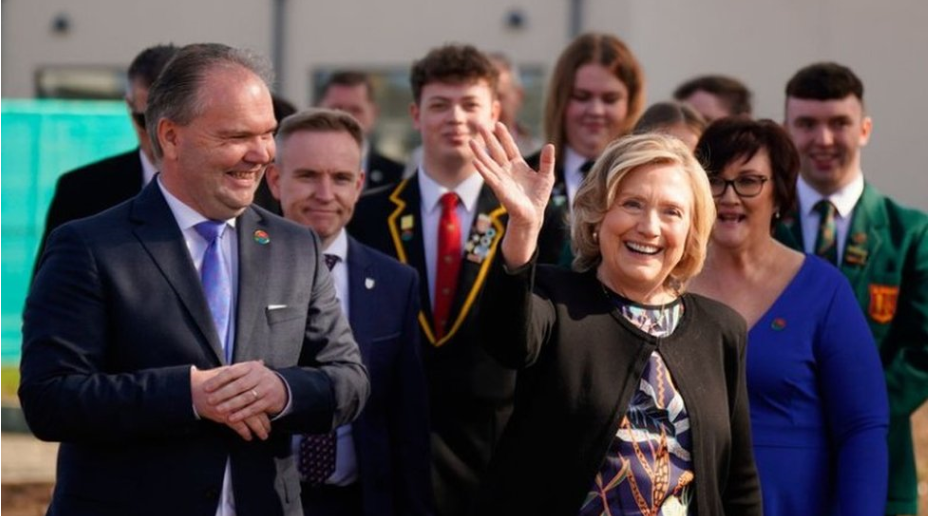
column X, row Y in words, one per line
column 359, row 184
column 866, row 128
column 495, row 109
column 168, row 138
column 414, row 114
column 273, row 179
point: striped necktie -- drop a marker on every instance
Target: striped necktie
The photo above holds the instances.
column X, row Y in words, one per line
column 826, row 242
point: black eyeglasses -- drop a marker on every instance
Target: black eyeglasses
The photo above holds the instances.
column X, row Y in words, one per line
column 139, row 118
column 745, row 186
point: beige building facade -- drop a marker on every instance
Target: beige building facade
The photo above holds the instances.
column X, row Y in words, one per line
column 762, row 43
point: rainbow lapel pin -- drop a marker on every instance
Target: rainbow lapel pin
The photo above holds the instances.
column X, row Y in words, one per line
column 262, row 237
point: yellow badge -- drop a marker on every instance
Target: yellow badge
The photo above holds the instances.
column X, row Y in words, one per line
column 406, row 225
column 883, row 300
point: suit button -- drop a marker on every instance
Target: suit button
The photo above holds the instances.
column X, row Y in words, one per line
column 212, row 494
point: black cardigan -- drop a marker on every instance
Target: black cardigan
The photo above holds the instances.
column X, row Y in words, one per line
column 581, row 361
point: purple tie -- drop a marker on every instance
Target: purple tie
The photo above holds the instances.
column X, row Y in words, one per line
column 317, row 451
column 217, row 281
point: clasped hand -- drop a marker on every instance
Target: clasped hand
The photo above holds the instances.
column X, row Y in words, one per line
column 244, row 396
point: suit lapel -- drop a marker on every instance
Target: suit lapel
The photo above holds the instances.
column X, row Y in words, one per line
column 254, row 245
column 157, row 231
column 362, row 280
column 405, row 225
column 864, row 237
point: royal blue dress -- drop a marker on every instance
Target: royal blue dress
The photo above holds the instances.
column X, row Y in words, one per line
column 819, row 410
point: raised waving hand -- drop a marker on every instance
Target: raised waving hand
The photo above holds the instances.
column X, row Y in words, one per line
column 522, row 191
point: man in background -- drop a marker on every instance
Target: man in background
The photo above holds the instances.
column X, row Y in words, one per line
column 881, row 246
column 716, row 96
column 378, row 465
column 511, row 95
column 103, row 184
column 353, row 92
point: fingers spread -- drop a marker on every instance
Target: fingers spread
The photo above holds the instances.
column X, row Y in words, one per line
column 493, row 145
column 508, row 143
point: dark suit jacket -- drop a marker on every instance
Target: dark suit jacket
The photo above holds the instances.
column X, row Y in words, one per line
column 381, row 170
column 91, row 189
column 470, row 394
column 886, row 261
column 581, row 363
column 116, row 318
column 391, row 436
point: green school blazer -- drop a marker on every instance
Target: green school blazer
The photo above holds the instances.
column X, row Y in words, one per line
column 886, row 261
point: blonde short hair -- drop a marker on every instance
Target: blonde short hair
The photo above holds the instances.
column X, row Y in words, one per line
column 602, row 184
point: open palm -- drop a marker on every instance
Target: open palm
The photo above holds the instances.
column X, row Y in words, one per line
column 522, row 191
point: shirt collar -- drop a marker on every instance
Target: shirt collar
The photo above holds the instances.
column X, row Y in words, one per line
column 185, row 216
column 431, row 192
column 339, row 246
column 572, row 161
column 148, row 168
column 844, row 199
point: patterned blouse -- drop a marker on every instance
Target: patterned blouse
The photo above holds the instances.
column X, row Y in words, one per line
column 648, row 470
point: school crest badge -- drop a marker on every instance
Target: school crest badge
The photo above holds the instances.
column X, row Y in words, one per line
column 883, row 301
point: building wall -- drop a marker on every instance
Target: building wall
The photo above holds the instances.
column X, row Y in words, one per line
column 761, row 43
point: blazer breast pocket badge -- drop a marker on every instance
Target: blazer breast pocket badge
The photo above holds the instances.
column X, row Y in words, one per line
column 883, row 300
column 480, row 240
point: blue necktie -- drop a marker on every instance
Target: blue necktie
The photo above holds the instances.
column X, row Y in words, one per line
column 217, row 281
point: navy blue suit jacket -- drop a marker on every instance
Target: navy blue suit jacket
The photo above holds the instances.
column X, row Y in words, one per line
column 391, row 435
column 116, row 318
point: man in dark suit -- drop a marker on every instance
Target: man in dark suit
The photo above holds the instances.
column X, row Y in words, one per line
column 881, row 246
column 103, row 184
column 353, row 92
column 382, row 459
column 174, row 343
column 446, row 222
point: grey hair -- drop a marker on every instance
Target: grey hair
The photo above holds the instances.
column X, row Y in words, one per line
column 176, row 94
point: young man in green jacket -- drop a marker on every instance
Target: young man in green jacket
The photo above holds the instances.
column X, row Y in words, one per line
column 881, row 246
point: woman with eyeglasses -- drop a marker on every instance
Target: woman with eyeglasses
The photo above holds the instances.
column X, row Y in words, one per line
column 819, row 412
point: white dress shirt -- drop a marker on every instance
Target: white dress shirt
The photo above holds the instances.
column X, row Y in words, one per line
column 148, row 169
column 346, row 463
column 430, row 194
column 572, row 175
column 844, row 200
column 187, row 218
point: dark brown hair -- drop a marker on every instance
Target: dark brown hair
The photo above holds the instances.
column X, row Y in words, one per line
column 735, row 139
column 734, row 94
column 454, row 64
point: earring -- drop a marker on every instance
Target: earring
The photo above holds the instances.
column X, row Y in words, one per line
column 596, row 237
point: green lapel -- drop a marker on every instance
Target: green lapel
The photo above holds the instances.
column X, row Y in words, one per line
column 789, row 230
column 864, row 237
